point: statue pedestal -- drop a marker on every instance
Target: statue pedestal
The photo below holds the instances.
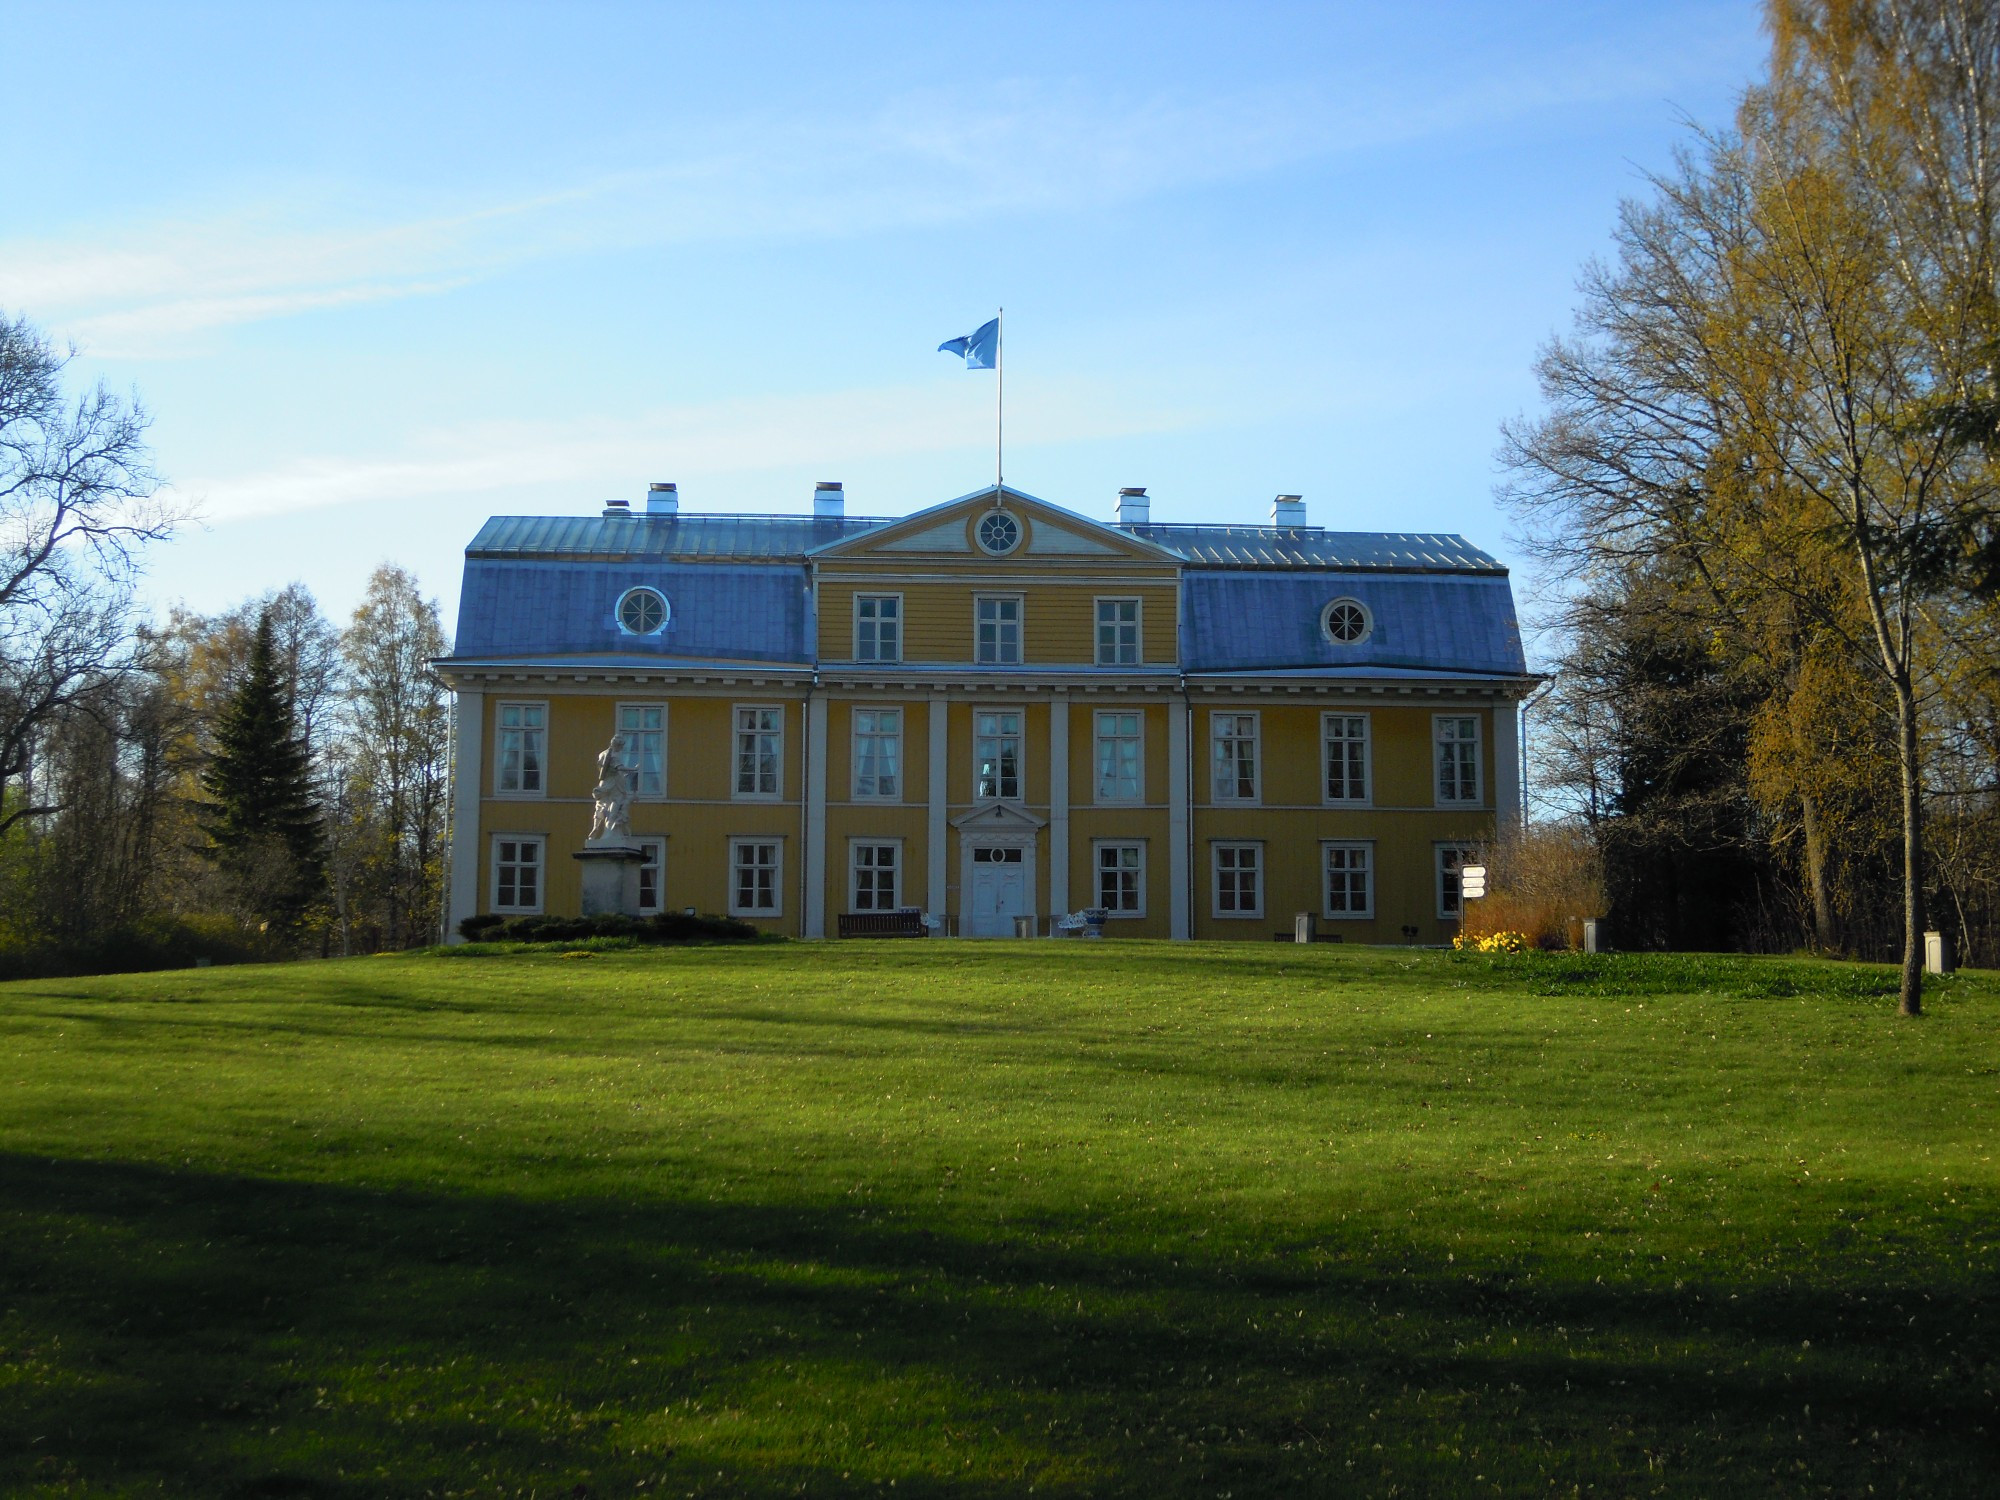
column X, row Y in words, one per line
column 610, row 877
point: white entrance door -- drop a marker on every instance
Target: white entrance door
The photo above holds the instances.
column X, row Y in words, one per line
column 999, row 892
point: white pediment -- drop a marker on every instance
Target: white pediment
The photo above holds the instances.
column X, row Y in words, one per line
column 998, row 817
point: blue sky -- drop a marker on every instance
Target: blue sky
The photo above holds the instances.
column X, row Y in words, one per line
column 383, row 271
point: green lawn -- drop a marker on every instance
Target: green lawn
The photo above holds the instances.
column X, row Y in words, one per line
column 970, row 1219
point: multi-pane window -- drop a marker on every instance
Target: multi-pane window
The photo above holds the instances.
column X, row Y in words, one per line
column 1457, row 758
column 1118, row 775
column 1350, row 888
column 999, row 631
column 878, row 627
column 1451, row 858
column 1239, row 884
column 759, row 736
column 1345, row 738
column 517, row 873
column 878, row 753
column 643, row 726
column 753, row 877
column 652, row 872
column 1234, row 737
column 521, row 730
column 996, row 750
column 1118, row 632
column 875, row 875
column 1121, row 879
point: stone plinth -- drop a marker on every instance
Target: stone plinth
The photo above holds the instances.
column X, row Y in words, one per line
column 610, row 876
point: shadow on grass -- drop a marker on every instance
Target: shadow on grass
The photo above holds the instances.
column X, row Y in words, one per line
column 216, row 1335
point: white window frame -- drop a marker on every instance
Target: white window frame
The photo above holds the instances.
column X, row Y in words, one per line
column 854, row 738
column 1098, row 739
column 1098, row 847
column 1365, row 847
column 777, row 906
column 1440, row 851
column 736, row 733
column 541, row 865
column 1438, row 742
column 1326, row 744
column 656, row 851
column 1217, row 718
column 854, row 847
column 1326, row 629
column 1215, row 849
column 1019, row 622
column 1138, row 627
column 500, row 731
column 1020, row 738
column 879, row 656
column 639, row 793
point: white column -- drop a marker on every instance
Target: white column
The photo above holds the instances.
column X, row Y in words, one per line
column 934, row 900
column 1506, row 765
column 467, row 775
column 1177, row 820
column 815, row 829
column 1059, row 805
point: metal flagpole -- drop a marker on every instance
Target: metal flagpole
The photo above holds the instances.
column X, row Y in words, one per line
column 999, row 402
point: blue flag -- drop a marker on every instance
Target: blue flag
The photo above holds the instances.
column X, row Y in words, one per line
column 980, row 348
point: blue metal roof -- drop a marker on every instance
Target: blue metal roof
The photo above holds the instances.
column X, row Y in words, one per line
column 1311, row 547
column 684, row 538
column 1239, row 621
column 524, row 608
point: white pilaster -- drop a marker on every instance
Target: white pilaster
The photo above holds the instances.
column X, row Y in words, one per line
column 1507, row 806
column 934, row 899
column 1059, row 805
column 467, row 777
column 1177, row 821
column 815, row 829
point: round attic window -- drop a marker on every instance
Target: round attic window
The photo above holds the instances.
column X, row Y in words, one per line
column 998, row 532
column 1346, row 622
column 643, row 612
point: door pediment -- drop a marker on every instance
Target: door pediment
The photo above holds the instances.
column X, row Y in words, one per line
column 998, row 818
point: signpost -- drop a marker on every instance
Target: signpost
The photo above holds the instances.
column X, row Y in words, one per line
column 1471, row 882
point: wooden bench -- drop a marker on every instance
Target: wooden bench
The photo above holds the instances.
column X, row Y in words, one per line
column 891, row 924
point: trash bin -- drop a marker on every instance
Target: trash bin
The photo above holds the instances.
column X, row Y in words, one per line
column 1093, row 921
column 1937, row 953
column 1591, row 936
column 1302, row 927
column 1024, row 927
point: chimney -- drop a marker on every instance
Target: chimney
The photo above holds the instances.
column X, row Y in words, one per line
column 1133, row 507
column 829, row 500
column 663, row 498
column 1288, row 510
column 618, row 508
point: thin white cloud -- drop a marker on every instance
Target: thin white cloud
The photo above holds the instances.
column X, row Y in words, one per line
column 923, row 159
column 695, row 441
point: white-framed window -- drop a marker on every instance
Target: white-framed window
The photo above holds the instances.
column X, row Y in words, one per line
column 1121, row 877
column 1344, row 756
column 1346, row 622
column 643, row 611
column 878, row 754
column 1120, row 761
column 997, row 630
column 517, row 871
column 1457, row 744
column 1118, row 632
column 878, row 627
column 643, row 727
column 652, row 875
column 1233, row 739
column 1451, row 858
column 760, row 746
column 1349, row 884
column 1239, row 879
column 521, row 743
column 998, row 533
column 996, row 756
column 756, row 877
column 875, row 869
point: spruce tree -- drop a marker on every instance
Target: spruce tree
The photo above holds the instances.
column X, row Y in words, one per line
column 264, row 822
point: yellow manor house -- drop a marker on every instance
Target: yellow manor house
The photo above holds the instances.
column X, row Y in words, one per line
column 995, row 712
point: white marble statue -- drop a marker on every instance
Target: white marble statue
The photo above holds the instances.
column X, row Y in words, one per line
column 611, row 798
